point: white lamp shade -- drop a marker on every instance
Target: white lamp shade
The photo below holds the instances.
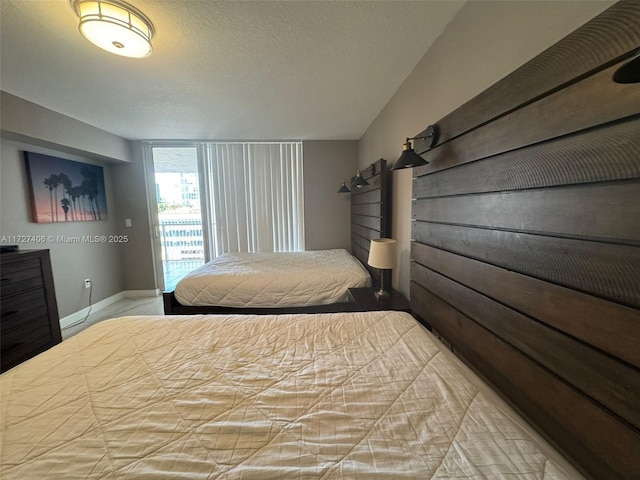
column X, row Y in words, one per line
column 382, row 253
column 115, row 26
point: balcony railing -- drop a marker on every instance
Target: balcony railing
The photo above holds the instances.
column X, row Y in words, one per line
column 182, row 241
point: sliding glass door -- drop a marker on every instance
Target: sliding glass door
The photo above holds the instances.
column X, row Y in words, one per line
column 179, row 227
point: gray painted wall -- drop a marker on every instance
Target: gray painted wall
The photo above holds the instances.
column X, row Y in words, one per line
column 71, row 263
column 485, row 41
column 30, row 127
column 131, row 202
column 25, row 121
column 327, row 213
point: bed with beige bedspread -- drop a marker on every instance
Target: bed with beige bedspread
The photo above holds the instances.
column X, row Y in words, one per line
column 274, row 280
column 342, row 395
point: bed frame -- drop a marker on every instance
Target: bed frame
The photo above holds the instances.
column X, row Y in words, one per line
column 526, row 251
column 370, row 218
column 371, row 215
column 173, row 307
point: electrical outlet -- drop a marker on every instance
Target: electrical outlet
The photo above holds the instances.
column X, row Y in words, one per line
column 87, row 283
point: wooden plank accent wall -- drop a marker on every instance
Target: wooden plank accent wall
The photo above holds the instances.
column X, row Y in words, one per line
column 371, row 214
column 526, row 252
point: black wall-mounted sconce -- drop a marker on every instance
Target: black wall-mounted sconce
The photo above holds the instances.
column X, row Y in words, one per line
column 409, row 158
column 629, row 72
column 359, row 181
column 343, row 188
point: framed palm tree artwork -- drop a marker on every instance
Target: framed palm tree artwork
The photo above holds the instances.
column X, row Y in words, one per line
column 65, row 191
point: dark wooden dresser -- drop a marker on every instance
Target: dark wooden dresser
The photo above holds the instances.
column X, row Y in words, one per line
column 29, row 322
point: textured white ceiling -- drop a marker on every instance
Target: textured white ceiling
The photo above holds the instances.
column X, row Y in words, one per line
column 224, row 70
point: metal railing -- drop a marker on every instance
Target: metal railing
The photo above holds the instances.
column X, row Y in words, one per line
column 182, row 241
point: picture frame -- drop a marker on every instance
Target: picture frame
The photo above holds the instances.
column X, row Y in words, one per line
column 64, row 190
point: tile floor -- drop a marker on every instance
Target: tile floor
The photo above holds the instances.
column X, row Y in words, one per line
column 173, row 271
column 124, row 307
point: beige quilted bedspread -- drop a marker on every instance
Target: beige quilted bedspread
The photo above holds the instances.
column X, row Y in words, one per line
column 354, row 395
column 280, row 279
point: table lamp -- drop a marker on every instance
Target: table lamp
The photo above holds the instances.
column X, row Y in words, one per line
column 382, row 255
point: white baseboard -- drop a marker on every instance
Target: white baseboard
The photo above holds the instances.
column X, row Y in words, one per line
column 79, row 315
column 141, row 293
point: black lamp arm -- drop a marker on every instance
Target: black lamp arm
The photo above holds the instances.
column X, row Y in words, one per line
column 429, row 133
column 420, row 137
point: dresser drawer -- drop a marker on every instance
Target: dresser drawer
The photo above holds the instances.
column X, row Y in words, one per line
column 22, row 308
column 26, row 337
column 29, row 321
column 17, row 277
column 11, row 331
column 9, row 268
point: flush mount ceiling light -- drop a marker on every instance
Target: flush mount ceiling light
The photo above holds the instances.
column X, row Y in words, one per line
column 115, row 26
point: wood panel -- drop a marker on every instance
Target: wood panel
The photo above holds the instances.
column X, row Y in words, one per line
column 371, row 215
column 563, row 309
column 374, row 223
column 368, row 209
column 591, row 211
column 363, row 242
column 364, row 232
column 610, row 271
column 610, row 153
column 526, row 256
column 367, row 197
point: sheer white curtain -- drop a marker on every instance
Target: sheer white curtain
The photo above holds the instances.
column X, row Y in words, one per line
column 255, row 194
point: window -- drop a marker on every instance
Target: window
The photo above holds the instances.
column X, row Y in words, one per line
column 255, row 196
column 228, row 197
